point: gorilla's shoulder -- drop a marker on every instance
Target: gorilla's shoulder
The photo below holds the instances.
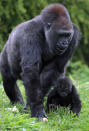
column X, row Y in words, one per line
column 27, row 28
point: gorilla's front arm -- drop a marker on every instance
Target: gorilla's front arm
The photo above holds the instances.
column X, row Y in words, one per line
column 76, row 102
column 62, row 60
column 30, row 63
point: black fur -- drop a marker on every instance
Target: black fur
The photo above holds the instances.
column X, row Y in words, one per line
column 64, row 94
column 33, row 45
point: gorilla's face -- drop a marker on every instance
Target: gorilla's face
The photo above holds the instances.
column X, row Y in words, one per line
column 64, row 87
column 63, row 92
column 58, row 37
column 58, row 28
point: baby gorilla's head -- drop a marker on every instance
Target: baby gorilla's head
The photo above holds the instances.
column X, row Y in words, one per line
column 64, row 86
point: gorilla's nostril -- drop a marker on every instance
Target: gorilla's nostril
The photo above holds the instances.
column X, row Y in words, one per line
column 64, row 42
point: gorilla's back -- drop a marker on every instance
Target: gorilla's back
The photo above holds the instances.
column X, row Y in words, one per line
column 17, row 39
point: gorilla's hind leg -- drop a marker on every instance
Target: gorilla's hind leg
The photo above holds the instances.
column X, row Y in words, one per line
column 9, row 82
column 12, row 90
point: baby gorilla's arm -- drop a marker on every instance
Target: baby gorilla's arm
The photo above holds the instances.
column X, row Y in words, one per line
column 76, row 102
column 51, row 101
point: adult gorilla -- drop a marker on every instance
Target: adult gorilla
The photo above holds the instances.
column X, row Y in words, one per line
column 48, row 38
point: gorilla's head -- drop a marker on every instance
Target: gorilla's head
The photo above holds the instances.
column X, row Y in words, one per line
column 64, row 86
column 58, row 28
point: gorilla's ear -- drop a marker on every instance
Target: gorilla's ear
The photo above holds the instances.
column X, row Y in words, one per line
column 77, row 35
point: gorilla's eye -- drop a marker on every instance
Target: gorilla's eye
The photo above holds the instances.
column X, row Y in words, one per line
column 66, row 89
column 48, row 25
column 67, row 34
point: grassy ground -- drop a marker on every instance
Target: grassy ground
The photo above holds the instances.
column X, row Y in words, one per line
column 60, row 120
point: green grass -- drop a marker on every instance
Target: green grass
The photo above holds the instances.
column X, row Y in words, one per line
column 59, row 120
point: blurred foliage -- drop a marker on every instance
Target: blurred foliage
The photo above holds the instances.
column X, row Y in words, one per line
column 13, row 12
column 78, row 72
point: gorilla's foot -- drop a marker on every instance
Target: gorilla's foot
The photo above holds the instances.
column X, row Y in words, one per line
column 26, row 107
column 20, row 101
column 39, row 112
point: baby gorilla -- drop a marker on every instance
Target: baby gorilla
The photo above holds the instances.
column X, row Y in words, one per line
column 64, row 94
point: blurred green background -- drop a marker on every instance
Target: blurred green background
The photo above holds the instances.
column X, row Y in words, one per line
column 13, row 12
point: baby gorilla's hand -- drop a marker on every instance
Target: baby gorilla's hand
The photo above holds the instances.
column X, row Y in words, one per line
column 52, row 106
